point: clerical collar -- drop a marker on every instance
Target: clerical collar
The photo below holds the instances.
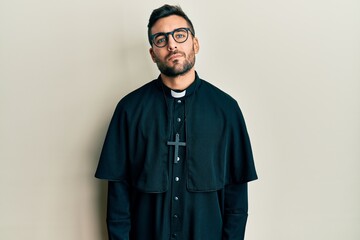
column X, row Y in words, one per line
column 180, row 94
column 177, row 94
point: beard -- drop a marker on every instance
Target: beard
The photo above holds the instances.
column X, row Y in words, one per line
column 179, row 68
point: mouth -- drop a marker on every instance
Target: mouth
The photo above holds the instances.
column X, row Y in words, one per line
column 174, row 56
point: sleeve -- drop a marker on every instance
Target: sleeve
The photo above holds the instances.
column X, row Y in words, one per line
column 242, row 170
column 113, row 166
column 118, row 211
column 235, row 211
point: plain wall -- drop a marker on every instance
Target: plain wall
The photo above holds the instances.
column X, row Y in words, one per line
column 293, row 66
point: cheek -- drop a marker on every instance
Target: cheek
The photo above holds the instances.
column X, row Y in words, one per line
column 190, row 48
column 159, row 55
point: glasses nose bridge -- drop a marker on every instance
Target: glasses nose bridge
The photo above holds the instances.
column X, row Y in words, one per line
column 168, row 34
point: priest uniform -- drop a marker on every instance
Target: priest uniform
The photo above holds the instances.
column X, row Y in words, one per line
column 177, row 165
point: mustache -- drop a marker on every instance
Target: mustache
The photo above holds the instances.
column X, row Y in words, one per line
column 174, row 53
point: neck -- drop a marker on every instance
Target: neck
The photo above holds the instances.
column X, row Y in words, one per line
column 180, row 82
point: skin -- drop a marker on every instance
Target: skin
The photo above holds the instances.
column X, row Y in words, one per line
column 175, row 55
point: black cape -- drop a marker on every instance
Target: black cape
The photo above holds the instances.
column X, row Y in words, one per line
column 151, row 195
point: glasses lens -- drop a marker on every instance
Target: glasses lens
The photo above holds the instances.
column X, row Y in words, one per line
column 180, row 35
column 160, row 40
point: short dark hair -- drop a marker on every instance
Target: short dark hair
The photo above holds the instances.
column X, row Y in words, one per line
column 165, row 11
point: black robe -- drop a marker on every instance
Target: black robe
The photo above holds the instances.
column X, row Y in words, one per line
column 198, row 194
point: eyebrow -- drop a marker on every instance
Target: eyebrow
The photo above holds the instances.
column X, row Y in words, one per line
column 171, row 31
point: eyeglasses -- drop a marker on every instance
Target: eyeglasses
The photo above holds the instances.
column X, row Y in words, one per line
column 180, row 35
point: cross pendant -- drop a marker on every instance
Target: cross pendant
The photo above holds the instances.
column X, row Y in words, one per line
column 177, row 143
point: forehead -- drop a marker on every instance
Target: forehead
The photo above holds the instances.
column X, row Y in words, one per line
column 167, row 24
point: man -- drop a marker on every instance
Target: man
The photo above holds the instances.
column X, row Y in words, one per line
column 177, row 154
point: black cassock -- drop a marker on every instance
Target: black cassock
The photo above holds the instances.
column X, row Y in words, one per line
column 178, row 166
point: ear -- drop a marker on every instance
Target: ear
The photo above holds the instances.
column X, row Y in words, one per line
column 196, row 45
column 152, row 54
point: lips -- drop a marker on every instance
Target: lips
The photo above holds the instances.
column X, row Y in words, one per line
column 174, row 56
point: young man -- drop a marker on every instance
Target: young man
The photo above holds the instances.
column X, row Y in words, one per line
column 177, row 154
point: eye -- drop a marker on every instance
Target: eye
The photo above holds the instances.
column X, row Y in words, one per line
column 160, row 39
column 180, row 34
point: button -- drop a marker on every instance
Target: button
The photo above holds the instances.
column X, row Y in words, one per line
column 176, row 216
column 179, row 119
column 177, row 179
column 176, row 198
column 179, row 101
column 178, row 159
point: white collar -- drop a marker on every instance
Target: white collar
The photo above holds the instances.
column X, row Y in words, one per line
column 178, row 94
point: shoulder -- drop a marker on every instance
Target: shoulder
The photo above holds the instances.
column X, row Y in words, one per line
column 216, row 94
column 140, row 98
column 145, row 89
column 139, row 95
column 223, row 102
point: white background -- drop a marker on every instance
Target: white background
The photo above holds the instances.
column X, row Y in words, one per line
column 293, row 66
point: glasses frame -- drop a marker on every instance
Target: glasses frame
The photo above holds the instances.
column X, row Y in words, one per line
column 153, row 36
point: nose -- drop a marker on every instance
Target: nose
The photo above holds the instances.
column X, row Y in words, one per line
column 172, row 44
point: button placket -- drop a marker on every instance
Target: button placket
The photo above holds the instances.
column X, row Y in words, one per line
column 178, row 170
